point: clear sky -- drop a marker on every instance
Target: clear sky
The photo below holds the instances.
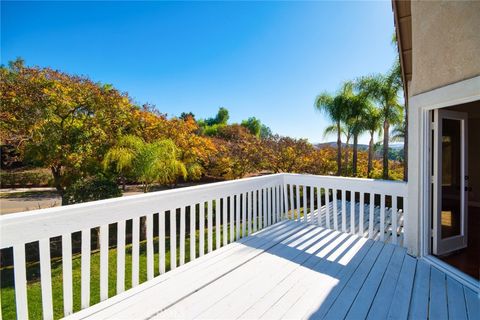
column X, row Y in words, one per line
column 262, row 59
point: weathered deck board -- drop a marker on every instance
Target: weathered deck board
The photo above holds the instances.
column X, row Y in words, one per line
column 296, row 270
column 359, row 308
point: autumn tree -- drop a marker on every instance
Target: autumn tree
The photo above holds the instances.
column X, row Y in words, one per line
column 239, row 153
column 61, row 121
column 285, row 154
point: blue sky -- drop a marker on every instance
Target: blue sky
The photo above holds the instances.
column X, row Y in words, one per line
column 262, row 59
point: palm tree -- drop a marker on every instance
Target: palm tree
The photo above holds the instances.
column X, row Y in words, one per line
column 384, row 89
column 345, row 131
column 147, row 162
column 121, row 156
column 372, row 124
column 360, row 104
column 348, row 135
column 335, row 108
column 398, row 132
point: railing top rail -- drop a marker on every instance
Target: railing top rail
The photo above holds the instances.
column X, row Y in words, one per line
column 33, row 225
column 388, row 187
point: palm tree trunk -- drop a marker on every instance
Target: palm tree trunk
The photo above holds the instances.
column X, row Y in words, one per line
column 370, row 156
column 339, row 150
column 355, row 155
column 386, row 127
column 347, row 155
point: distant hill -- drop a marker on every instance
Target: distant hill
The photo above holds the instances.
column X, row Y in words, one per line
column 334, row 145
column 395, row 149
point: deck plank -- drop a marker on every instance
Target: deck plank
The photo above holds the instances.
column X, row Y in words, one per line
column 295, row 284
column 287, row 262
column 345, row 299
column 403, row 292
column 421, row 292
column 456, row 300
column 361, row 305
column 313, row 282
column 383, row 298
column 472, row 300
column 240, row 280
column 438, row 295
column 320, row 309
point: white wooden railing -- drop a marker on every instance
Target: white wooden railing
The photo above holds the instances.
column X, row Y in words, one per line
column 231, row 210
column 367, row 207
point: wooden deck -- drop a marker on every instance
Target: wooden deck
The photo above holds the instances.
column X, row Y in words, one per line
column 296, row 270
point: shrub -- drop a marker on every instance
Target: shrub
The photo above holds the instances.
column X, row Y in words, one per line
column 90, row 189
column 25, row 178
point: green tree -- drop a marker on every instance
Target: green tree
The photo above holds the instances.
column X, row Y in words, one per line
column 253, row 125
column 155, row 162
column 265, row 132
column 211, row 126
column 384, row 89
column 335, row 107
column 187, row 115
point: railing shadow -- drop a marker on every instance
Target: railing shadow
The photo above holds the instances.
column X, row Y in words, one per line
column 320, row 250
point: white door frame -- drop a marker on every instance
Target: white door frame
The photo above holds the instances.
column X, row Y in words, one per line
column 419, row 182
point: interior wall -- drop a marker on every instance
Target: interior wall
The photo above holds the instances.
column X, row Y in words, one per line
column 474, row 161
column 473, row 111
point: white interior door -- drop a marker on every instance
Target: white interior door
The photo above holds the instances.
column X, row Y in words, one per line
column 450, row 179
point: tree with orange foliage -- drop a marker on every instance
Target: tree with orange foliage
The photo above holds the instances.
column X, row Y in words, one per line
column 63, row 122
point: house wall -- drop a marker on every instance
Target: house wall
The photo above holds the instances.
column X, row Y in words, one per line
column 445, row 42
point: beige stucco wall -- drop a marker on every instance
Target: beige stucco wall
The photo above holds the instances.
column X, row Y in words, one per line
column 446, row 43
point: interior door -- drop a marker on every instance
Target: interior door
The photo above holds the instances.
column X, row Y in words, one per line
column 450, row 179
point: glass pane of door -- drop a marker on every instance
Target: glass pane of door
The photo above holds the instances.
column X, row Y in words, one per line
column 451, row 203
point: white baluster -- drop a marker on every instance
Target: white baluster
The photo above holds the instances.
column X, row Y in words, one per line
column 67, row 274
column 46, row 278
column 120, row 256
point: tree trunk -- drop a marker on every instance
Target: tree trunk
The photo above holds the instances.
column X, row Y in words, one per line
column 339, row 150
column 57, row 180
column 386, row 127
column 347, row 155
column 370, row 156
column 124, row 183
column 355, row 155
